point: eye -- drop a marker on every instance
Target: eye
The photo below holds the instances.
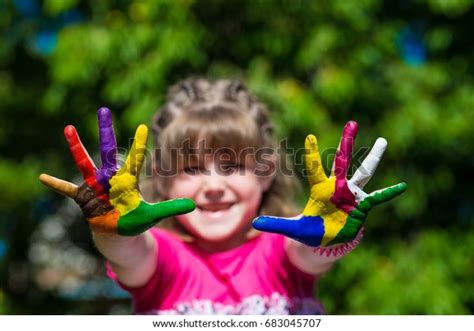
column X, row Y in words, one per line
column 231, row 168
column 192, row 170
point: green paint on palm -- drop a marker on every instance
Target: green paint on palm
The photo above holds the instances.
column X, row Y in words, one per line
column 348, row 232
column 147, row 215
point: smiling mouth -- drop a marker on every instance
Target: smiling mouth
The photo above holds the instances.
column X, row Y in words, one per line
column 215, row 206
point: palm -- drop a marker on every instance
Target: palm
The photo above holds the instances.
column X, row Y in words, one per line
column 109, row 196
column 337, row 207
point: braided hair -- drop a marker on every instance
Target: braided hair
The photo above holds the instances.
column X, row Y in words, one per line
column 197, row 93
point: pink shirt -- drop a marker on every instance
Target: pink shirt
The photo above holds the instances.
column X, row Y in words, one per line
column 254, row 278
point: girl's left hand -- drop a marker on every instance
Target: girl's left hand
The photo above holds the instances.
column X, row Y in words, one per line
column 337, row 207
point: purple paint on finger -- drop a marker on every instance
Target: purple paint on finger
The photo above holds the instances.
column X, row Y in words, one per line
column 108, row 147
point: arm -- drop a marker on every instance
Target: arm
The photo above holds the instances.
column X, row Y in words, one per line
column 317, row 261
column 122, row 253
column 112, row 205
column 306, row 259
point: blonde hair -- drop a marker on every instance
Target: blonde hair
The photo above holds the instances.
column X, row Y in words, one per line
column 228, row 116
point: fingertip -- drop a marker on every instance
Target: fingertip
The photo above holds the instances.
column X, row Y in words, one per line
column 43, row 178
column 311, row 141
column 403, row 186
column 311, row 138
column 142, row 132
column 379, row 147
column 69, row 131
column 187, row 205
column 259, row 223
column 256, row 223
column 352, row 124
column 142, row 128
column 350, row 129
column 104, row 116
column 381, row 142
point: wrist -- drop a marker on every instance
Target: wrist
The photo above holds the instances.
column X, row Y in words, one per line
column 121, row 250
column 339, row 250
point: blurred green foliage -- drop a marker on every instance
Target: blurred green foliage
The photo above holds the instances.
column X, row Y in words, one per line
column 402, row 69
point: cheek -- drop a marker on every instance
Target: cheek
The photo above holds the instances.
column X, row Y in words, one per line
column 184, row 187
column 248, row 188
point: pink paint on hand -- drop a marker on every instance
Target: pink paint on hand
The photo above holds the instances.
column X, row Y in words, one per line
column 343, row 197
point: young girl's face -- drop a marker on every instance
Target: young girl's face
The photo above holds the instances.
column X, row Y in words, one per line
column 227, row 198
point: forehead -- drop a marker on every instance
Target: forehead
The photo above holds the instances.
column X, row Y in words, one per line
column 228, row 134
column 207, row 155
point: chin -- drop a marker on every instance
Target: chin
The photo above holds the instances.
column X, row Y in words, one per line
column 215, row 232
column 216, row 227
column 217, row 237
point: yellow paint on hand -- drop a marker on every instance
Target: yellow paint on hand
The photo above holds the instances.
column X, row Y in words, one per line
column 124, row 194
column 313, row 162
column 134, row 161
column 319, row 204
column 333, row 224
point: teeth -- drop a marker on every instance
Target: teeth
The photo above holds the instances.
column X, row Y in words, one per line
column 216, row 207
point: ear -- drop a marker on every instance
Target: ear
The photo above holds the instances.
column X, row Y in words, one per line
column 266, row 171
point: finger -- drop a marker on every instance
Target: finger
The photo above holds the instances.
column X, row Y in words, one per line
column 135, row 158
column 61, row 186
column 333, row 166
column 381, row 196
column 313, row 161
column 370, row 163
column 81, row 157
column 343, row 156
column 147, row 215
column 108, row 145
column 281, row 225
column 307, row 229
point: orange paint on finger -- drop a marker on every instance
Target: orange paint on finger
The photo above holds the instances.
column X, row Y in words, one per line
column 105, row 224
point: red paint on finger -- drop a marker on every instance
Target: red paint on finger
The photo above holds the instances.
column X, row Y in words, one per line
column 343, row 197
column 344, row 154
column 79, row 153
column 84, row 162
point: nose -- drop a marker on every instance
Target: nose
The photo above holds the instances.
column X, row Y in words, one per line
column 214, row 188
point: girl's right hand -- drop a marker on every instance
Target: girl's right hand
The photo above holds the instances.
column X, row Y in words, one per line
column 109, row 196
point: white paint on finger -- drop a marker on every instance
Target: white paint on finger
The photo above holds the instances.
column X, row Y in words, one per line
column 366, row 170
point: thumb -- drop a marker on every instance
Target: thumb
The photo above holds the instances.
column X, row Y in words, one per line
column 306, row 229
column 146, row 215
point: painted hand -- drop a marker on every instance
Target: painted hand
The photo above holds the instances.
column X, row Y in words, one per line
column 337, row 207
column 109, row 197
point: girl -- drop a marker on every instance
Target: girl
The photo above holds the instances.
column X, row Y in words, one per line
column 216, row 170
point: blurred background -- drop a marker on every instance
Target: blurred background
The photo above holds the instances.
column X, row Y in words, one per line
column 402, row 69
